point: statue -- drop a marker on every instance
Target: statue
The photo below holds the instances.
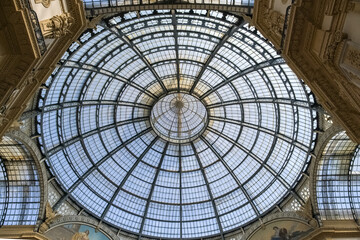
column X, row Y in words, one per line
column 81, row 235
column 57, row 26
column 45, row 3
column 50, row 216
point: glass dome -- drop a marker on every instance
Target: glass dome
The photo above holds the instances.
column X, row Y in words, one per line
column 176, row 124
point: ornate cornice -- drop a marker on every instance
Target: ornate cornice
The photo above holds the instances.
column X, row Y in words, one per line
column 20, row 232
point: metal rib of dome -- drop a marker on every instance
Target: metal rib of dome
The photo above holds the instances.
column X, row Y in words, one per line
column 232, row 169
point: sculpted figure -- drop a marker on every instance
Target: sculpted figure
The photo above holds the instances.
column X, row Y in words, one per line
column 81, row 236
column 57, row 26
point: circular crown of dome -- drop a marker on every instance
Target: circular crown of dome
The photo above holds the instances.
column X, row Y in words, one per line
column 176, row 124
column 178, row 118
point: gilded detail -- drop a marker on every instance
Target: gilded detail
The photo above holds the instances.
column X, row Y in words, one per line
column 57, row 26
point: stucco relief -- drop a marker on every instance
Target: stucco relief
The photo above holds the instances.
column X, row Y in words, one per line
column 276, row 22
column 332, row 47
column 354, row 58
column 350, row 62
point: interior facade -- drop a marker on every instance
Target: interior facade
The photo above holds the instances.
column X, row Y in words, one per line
column 179, row 119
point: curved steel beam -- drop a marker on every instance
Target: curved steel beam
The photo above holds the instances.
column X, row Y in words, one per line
column 95, row 166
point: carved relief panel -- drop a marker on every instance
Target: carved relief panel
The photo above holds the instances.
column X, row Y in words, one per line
column 350, row 62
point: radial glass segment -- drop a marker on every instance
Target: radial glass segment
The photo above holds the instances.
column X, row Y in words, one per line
column 176, row 124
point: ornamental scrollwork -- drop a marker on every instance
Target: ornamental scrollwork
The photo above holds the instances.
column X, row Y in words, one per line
column 337, row 37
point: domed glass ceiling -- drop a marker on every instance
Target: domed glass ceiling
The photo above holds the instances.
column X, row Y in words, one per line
column 176, row 124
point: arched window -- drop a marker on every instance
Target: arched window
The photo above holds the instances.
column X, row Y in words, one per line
column 337, row 179
column 19, row 184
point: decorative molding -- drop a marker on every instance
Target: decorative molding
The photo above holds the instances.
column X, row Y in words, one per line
column 20, row 232
column 18, row 33
column 276, row 22
column 3, row 119
column 268, row 21
column 353, row 6
column 331, row 7
column 235, row 9
column 45, row 3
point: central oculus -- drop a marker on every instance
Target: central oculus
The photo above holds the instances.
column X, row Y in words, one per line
column 178, row 117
